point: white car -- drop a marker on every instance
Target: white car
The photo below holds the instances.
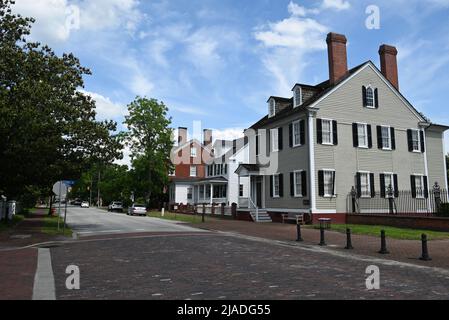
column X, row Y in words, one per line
column 84, row 204
column 137, row 209
column 115, row 206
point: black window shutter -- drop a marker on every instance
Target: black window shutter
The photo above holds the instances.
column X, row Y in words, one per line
column 413, row 185
column 304, row 183
column 379, row 137
column 393, row 139
column 281, row 185
column 257, row 145
column 319, row 131
column 335, row 131
column 290, row 134
column 370, row 137
column 271, row 186
column 423, row 145
column 373, row 188
column 426, row 188
column 410, row 140
column 364, row 95
column 355, row 135
column 321, row 183
column 376, row 98
column 383, row 191
column 292, row 184
column 359, row 185
column 333, row 183
column 281, row 139
column 302, row 126
column 396, row 186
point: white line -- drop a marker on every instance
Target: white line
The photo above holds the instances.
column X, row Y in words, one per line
column 44, row 282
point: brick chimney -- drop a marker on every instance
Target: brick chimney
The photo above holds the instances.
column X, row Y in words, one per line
column 338, row 59
column 182, row 135
column 207, row 140
column 389, row 64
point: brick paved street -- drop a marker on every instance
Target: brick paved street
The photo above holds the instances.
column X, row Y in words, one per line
column 216, row 266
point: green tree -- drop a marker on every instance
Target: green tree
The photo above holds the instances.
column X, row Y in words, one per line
column 47, row 125
column 149, row 138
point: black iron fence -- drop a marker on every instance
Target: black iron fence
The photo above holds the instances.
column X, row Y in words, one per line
column 400, row 203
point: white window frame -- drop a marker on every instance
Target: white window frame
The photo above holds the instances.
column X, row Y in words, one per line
column 365, row 125
column 368, row 185
column 296, row 143
column 390, row 140
column 331, row 132
column 418, row 133
column 295, row 183
column 420, row 194
column 193, row 152
column 271, row 108
column 391, row 175
column 334, row 191
column 297, row 102
column 374, row 97
column 278, row 195
column 193, row 169
column 274, row 140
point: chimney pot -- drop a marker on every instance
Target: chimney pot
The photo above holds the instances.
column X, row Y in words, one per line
column 338, row 59
column 389, row 64
column 182, row 135
column 207, row 137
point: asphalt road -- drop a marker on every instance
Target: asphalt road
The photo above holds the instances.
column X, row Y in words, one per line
column 92, row 221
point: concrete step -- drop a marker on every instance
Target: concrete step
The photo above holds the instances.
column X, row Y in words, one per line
column 264, row 217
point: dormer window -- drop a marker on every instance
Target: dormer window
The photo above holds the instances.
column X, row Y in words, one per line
column 271, row 108
column 297, row 96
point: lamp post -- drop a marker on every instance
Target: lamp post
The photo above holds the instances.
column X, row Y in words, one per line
column 437, row 195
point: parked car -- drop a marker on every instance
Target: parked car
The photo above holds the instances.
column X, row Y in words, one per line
column 77, row 202
column 115, row 206
column 85, row 204
column 137, row 209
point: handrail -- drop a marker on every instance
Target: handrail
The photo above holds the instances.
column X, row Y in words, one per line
column 256, row 207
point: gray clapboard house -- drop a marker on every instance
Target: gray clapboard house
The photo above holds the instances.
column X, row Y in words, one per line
column 354, row 130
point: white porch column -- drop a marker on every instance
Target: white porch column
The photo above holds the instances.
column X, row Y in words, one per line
column 211, row 193
column 249, row 192
column 238, row 191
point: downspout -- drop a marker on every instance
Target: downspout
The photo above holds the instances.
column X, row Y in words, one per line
column 311, row 114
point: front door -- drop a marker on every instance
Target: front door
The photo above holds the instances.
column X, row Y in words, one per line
column 259, row 192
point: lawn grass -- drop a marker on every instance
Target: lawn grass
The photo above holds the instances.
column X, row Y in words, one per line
column 391, row 232
column 50, row 227
column 176, row 217
column 11, row 224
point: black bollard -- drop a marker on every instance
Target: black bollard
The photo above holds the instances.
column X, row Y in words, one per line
column 298, row 232
column 348, row 240
column 203, row 213
column 425, row 251
column 383, row 243
column 322, row 241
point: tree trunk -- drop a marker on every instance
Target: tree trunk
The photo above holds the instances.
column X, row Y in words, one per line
column 50, row 213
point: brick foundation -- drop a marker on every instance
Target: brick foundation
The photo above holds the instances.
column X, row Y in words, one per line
column 337, row 218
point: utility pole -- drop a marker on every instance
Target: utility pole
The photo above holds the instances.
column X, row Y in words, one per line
column 98, row 185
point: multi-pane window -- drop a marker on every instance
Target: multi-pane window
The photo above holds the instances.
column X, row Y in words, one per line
column 389, row 182
column 220, row 191
column 274, row 138
column 272, row 108
column 193, row 152
column 370, row 97
column 298, row 96
column 365, row 184
column 327, row 131
column 419, row 183
column 190, row 193
column 193, row 171
column 298, row 183
column 241, row 190
column 296, row 133
column 202, row 187
column 386, row 137
column 362, row 135
column 276, row 186
column 415, row 141
column 329, row 181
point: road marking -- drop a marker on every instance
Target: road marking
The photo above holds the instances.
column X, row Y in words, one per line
column 44, row 281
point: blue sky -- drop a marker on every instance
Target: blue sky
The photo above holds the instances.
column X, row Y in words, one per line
column 217, row 61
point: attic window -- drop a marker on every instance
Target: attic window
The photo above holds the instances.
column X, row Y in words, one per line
column 271, row 108
column 297, row 96
column 369, row 97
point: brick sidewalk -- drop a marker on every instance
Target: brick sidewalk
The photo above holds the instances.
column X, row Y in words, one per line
column 400, row 250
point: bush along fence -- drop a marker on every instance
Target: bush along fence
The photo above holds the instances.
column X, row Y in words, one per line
column 419, row 202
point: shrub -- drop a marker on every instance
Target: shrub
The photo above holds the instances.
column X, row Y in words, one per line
column 444, row 210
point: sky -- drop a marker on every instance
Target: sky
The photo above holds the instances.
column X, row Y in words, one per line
column 218, row 61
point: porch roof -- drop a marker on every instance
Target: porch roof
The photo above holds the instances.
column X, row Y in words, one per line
column 217, row 180
column 245, row 170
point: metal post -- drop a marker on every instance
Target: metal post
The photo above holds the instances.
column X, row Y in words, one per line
column 425, row 252
column 65, row 217
column 203, row 213
column 348, row 240
column 298, row 232
column 390, row 194
column 353, row 198
column 437, row 195
column 59, row 210
column 383, row 243
column 322, row 240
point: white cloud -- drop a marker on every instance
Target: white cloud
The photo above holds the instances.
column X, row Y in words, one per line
column 126, row 161
column 106, row 109
column 300, row 11
column 227, row 133
column 338, row 5
column 140, row 85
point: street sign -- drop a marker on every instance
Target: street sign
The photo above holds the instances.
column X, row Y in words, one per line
column 69, row 183
column 60, row 189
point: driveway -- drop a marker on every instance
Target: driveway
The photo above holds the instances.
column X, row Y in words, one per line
column 93, row 222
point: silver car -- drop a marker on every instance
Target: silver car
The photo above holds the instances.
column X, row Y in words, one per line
column 115, row 206
column 137, row 209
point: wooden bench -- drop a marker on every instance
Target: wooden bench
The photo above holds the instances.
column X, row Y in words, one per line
column 298, row 217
